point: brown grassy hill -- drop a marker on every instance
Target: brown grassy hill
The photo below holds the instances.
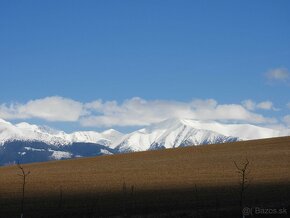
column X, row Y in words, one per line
column 156, row 178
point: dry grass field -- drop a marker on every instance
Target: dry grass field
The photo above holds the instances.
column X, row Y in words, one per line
column 183, row 182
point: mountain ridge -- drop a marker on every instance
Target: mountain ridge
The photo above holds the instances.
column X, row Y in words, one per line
column 30, row 143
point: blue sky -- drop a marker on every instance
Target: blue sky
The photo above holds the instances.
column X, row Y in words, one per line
column 173, row 52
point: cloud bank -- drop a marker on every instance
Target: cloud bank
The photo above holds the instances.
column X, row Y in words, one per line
column 134, row 112
column 50, row 109
column 264, row 105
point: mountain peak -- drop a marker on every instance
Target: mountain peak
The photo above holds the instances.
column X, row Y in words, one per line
column 172, row 121
column 24, row 125
column 169, row 133
column 165, row 124
column 4, row 122
column 29, row 132
column 110, row 131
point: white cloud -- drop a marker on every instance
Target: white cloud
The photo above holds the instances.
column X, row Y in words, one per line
column 249, row 104
column 278, row 74
column 50, row 108
column 288, row 105
column 139, row 112
column 132, row 112
column 264, row 105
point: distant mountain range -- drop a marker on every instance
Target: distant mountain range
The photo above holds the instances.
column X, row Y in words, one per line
column 27, row 143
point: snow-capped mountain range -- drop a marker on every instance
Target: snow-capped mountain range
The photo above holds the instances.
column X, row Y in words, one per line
column 29, row 143
column 28, row 132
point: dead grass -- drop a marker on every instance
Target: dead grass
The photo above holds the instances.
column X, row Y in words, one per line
column 210, row 165
column 173, row 169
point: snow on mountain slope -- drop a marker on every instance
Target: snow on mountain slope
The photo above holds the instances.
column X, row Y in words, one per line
column 182, row 132
column 28, row 132
column 31, row 132
column 169, row 134
column 31, row 143
column 104, row 138
column 242, row 131
column 22, row 131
